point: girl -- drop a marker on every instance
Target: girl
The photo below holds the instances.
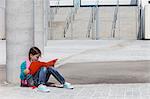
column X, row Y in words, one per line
column 41, row 77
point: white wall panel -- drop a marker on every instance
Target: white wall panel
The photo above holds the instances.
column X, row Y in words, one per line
column 147, row 22
column 108, row 2
column 61, row 2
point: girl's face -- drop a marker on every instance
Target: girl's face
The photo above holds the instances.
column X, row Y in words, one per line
column 34, row 57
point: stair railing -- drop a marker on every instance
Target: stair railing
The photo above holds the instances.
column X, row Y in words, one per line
column 92, row 20
column 90, row 23
column 139, row 26
column 114, row 23
column 52, row 12
column 71, row 16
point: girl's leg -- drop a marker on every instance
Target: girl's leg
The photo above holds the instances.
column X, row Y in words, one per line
column 56, row 74
column 47, row 77
column 40, row 76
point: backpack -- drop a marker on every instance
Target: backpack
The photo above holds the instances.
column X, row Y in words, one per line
column 28, row 81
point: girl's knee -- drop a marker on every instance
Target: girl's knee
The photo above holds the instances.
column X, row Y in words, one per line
column 52, row 68
column 44, row 69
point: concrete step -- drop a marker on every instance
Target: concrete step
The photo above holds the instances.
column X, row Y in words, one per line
column 126, row 24
column 77, row 32
column 83, row 13
column 79, row 27
column 2, row 73
column 62, row 14
column 59, row 22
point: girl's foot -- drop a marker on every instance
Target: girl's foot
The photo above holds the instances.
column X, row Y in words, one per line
column 43, row 88
column 68, row 85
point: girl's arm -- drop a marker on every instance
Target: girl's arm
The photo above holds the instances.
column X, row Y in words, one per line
column 26, row 71
column 51, row 63
column 22, row 68
column 35, row 66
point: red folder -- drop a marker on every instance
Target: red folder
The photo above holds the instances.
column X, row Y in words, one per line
column 35, row 66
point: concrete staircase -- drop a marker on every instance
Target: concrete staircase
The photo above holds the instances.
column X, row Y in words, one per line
column 58, row 24
column 79, row 27
column 126, row 25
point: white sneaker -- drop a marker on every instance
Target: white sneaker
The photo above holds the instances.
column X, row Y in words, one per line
column 43, row 88
column 68, row 85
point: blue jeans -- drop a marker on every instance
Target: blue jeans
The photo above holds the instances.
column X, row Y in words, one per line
column 42, row 76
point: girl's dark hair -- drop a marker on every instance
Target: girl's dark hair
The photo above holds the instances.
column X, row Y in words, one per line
column 34, row 50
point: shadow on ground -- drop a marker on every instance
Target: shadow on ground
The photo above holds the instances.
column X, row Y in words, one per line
column 107, row 72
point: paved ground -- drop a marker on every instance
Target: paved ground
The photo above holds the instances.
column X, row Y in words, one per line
column 101, row 91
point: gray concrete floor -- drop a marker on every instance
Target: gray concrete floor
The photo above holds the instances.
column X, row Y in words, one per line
column 98, row 91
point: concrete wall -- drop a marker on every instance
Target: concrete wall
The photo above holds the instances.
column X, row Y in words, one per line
column 2, row 19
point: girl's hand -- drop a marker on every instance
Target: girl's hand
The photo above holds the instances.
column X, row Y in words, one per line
column 26, row 71
column 60, row 61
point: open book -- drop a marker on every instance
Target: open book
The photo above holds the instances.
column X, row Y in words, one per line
column 35, row 66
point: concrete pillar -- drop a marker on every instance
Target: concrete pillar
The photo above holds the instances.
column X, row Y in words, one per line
column 19, row 35
column 39, row 24
column 2, row 19
column 46, row 16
